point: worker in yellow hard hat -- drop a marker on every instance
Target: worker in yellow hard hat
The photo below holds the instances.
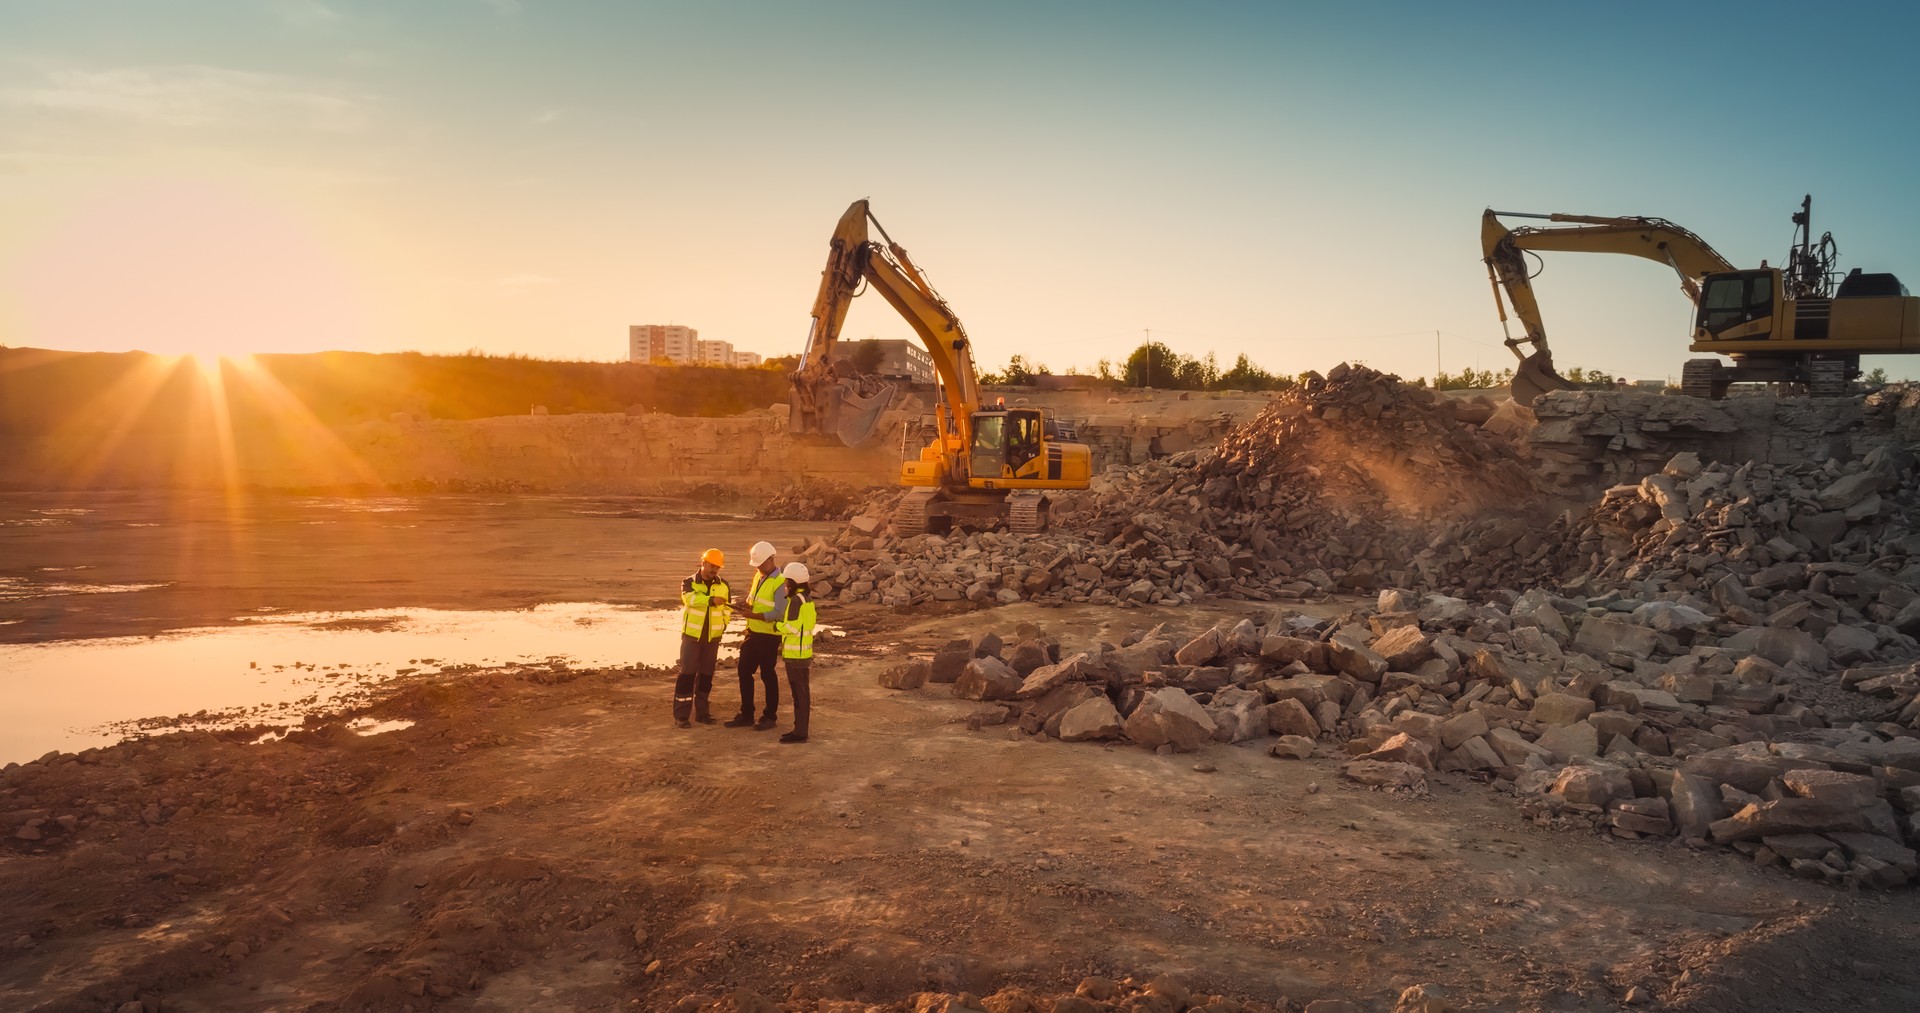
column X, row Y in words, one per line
column 705, row 609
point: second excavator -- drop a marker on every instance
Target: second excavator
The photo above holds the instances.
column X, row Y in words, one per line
column 1801, row 325
column 986, row 465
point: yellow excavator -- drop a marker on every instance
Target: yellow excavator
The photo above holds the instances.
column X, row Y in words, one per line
column 986, row 466
column 1801, row 324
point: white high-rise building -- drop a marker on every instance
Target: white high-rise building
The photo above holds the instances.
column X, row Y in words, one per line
column 652, row 342
column 746, row 360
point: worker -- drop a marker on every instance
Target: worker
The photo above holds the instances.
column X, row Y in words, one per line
column 798, row 617
column 705, row 609
column 760, row 650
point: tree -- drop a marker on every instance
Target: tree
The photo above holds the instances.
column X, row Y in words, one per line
column 1152, row 365
column 1020, row 372
column 1105, row 369
column 1877, row 375
column 1246, row 376
column 781, row 363
column 867, row 355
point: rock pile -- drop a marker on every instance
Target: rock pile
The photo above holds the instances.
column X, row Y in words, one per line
column 1160, row 994
column 811, row 501
column 1354, row 481
column 1648, row 719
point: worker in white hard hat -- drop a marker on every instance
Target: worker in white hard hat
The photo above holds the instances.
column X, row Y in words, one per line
column 797, row 620
column 760, row 650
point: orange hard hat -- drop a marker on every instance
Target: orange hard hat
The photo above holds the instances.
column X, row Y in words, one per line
column 714, row 556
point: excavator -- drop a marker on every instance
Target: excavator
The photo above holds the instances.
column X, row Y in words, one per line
column 1801, row 325
column 986, row 465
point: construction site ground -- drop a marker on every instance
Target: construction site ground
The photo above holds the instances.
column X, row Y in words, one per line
column 546, row 840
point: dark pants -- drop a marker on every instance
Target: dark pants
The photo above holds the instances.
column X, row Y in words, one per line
column 690, row 693
column 759, row 653
column 798, row 673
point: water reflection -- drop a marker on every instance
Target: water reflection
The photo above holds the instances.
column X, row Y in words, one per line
column 73, row 694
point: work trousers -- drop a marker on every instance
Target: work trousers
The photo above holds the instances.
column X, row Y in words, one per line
column 695, row 685
column 798, row 672
column 759, row 654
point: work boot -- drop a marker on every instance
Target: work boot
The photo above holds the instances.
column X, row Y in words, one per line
column 766, row 723
column 682, row 723
column 793, row 737
column 739, row 721
column 705, row 719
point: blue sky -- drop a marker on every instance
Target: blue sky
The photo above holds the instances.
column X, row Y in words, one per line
column 1299, row 182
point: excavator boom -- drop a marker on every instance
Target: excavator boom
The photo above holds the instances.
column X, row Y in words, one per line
column 828, row 395
column 1504, row 250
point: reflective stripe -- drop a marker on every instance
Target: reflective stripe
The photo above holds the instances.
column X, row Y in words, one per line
column 704, row 608
column 796, row 633
column 760, row 599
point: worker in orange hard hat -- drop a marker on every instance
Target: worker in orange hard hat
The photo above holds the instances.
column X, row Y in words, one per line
column 705, row 608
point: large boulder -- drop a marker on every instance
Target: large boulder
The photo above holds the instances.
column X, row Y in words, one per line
column 1133, row 663
column 1201, row 649
column 1461, row 727
column 1169, row 717
column 1404, row 647
column 1385, row 775
column 1042, row 680
column 987, row 678
column 1288, row 716
column 1238, row 715
column 1600, row 637
column 1565, row 742
column 1696, row 803
column 1560, row 709
column 1359, row 662
column 1091, row 719
column 1403, row 748
column 1787, row 816
column 907, row 675
column 1593, row 784
column 1850, row 790
column 1311, row 653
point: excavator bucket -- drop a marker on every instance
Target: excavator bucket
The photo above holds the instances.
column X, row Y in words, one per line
column 1535, row 376
column 853, row 418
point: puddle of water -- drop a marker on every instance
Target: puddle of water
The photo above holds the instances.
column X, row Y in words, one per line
column 65, row 694
column 22, row 589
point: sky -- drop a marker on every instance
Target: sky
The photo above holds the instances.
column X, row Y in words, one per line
column 1298, row 182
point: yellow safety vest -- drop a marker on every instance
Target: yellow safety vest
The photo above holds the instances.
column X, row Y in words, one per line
column 706, row 608
column 796, row 633
column 760, row 599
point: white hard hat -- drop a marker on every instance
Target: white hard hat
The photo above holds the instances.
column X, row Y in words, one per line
column 796, row 571
column 760, row 553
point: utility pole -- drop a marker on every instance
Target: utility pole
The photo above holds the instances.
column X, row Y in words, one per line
column 1436, row 360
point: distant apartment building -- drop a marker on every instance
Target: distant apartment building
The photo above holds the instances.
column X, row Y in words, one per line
column 674, row 343
column 905, row 360
column 653, row 342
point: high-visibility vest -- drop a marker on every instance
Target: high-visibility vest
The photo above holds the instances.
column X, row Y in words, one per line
column 796, row 632
column 760, row 600
column 705, row 607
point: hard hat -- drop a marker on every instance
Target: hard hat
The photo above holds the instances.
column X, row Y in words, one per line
column 761, row 552
column 714, row 556
column 796, row 571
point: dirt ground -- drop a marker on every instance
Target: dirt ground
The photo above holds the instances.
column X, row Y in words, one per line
column 545, row 839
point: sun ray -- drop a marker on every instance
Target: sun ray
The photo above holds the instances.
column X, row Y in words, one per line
column 123, row 404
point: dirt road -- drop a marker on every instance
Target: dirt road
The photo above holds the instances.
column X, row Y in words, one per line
column 500, row 854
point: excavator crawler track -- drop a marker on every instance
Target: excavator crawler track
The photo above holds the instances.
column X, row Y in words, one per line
column 1026, row 513
column 1827, row 378
column 910, row 517
column 1703, row 378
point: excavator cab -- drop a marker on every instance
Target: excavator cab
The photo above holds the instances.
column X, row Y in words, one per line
column 1006, row 442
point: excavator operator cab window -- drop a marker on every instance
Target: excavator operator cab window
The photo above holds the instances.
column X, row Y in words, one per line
column 1729, row 300
column 1023, row 437
column 989, row 455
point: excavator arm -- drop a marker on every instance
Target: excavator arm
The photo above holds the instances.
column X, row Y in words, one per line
column 1504, row 250
column 829, row 396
